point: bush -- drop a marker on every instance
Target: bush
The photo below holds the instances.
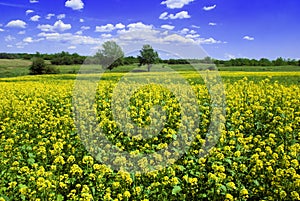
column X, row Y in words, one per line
column 38, row 67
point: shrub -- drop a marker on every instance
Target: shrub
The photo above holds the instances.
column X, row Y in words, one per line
column 38, row 67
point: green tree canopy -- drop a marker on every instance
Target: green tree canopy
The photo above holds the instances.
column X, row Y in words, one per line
column 148, row 56
column 110, row 56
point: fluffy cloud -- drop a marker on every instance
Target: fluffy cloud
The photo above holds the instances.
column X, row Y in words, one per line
column 35, row 18
column 61, row 16
column 208, row 41
column 17, row 24
column 58, row 26
column 85, row 28
column 138, row 26
column 164, row 16
column 109, row 27
column 74, row 4
column 29, row 11
column 207, row 8
column 212, row 24
column 180, row 15
column 28, row 40
column 166, row 26
column 33, row 1
column 9, row 38
column 1, row 30
column 70, row 38
column 81, row 20
column 49, row 16
column 106, row 35
column 248, row 38
column 72, row 47
column 176, row 3
column 184, row 31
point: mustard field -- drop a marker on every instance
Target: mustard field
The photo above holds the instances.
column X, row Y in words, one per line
column 58, row 143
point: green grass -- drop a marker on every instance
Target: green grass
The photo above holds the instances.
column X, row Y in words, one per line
column 14, row 67
column 18, row 67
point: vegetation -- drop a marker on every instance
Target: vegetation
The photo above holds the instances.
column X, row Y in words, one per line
column 110, row 56
column 148, row 56
column 39, row 67
column 42, row 156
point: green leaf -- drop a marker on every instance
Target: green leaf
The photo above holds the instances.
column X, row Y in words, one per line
column 60, row 197
column 176, row 189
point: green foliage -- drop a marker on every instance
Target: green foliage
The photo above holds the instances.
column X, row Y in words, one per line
column 110, row 56
column 148, row 56
column 65, row 58
column 38, row 67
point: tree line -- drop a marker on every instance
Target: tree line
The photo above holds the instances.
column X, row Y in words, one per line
column 65, row 58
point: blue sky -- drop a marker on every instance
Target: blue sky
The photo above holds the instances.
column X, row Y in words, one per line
column 224, row 29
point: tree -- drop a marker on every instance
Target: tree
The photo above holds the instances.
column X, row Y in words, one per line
column 111, row 55
column 148, row 56
column 38, row 67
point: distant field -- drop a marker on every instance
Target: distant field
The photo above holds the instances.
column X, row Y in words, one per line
column 18, row 67
column 13, row 68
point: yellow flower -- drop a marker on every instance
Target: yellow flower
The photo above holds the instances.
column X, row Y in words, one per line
column 127, row 194
column 229, row 197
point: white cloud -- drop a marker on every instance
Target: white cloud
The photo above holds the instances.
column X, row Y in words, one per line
column 119, row 26
column 29, row 11
column 22, row 32
column 184, row 31
column 248, row 38
column 138, row 26
column 9, row 46
column 74, row 4
column 79, row 32
column 1, row 30
column 180, row 15
column 33, row 1
column 208, row 41
column 109, row 27
column 192, row 36
column 58, row 26
column 136, row 32
column 82, row 28
column 177, row 38
column 81, row 20
column 176, row 3
column 105, row 28
column 72, row 47
column 17, row 24
column 35, row 18
column 61, row 26
column 166, row 26
column 164, row 16
column 106, row 35
column 192, row 32
column 61, row 16
column 212, row 24
column 196, row 27
column 49, row 16
column 9, row 38
column 28, row 40
column 70, row 38
column 207, row 8
column 85, row 28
